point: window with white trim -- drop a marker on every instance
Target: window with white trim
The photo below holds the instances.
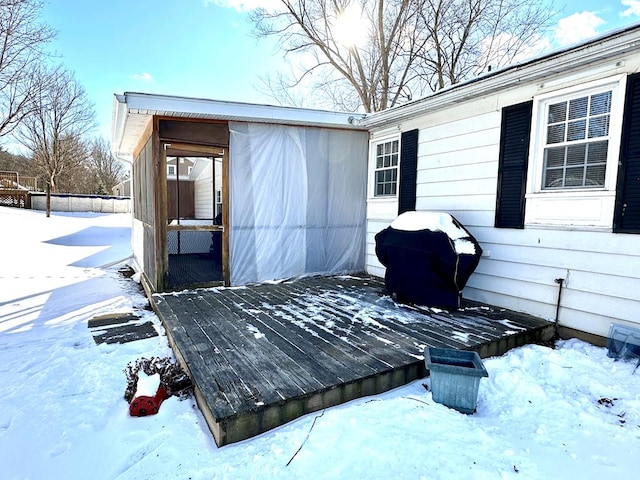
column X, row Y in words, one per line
column 576, row 143
column 171, row 170
column 574, row 154
column 387, row 156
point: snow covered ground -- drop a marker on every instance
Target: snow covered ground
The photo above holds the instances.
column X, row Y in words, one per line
column 563, row 413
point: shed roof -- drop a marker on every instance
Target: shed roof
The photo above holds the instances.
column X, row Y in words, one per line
column 132, row 112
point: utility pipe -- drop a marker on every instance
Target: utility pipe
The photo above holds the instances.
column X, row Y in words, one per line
column 560, row 282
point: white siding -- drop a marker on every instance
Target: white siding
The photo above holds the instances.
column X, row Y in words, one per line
column 203, row 191
column 457, row 173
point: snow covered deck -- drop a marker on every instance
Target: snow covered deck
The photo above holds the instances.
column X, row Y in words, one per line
column 264, row 355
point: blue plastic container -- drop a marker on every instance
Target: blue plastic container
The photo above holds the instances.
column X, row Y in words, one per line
column 455, row 377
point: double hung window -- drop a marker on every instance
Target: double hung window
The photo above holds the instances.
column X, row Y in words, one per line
column 576, row 142
column 573, row 160
column 386, row 168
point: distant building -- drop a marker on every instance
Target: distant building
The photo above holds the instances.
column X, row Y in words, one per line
column 123, row 189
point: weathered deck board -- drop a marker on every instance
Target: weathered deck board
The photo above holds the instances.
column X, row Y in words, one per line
column 264, row 355
column 307, row 352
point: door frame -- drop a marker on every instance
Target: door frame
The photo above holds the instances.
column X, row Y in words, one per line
column 177, row 149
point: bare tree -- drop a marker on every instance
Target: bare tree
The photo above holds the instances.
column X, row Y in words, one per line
column 22, row 39
column 74, row 176
column 382, row 52
column 61, row 115
column 377, row 62
column 469, row 37
column 15, row 163
column 105, row 170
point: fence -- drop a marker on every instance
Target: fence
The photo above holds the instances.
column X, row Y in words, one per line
column 81, row 203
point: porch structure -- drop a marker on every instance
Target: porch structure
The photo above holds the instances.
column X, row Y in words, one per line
column 264, row 355
column 14, row 189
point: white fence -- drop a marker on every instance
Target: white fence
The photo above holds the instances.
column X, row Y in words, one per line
column 81, row 203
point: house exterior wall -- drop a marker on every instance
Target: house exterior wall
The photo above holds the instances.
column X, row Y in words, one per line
column 123, row 189
column 204, row 194
column 458, row 159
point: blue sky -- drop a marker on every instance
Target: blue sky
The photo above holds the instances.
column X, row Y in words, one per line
column 204, row 48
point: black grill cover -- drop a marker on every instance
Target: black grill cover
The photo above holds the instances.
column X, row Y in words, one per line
column 424, row 266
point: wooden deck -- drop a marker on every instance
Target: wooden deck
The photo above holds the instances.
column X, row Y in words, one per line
column 15, row 198
column 264, row 355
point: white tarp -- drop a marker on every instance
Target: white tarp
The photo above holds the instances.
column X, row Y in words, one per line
column 298, row 201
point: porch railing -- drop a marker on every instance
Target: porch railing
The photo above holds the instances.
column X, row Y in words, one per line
column 14, row 181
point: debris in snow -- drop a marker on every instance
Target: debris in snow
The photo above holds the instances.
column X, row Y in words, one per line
column 126, row 271
column 306, row 438
column 149, row 395
column 607, row 402
column 172, row 376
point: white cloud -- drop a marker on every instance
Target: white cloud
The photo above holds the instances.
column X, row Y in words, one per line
column 633, row 7
column 577, row 27
column 144, row 77
column 245, row 5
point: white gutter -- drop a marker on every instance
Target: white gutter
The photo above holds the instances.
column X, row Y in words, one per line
column 151, row 104
column 119, row 117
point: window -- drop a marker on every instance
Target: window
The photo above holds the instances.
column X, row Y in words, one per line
column 577, row 140
column 386, row 168
column 574, row 150
column 171, row 170
column 218, row 202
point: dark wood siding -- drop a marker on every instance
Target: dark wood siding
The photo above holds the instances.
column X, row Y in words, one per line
column 627, row 210
column 513, row 162
column 201, row 133
column 143, row 200
column 144, row 207
column 181, row 199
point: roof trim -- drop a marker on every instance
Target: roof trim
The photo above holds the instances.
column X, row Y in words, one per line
column 594, row 51
column 130, row 104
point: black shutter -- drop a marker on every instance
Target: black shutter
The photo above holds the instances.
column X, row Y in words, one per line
column 408, row 171
column 512, row 165
column 627, row 211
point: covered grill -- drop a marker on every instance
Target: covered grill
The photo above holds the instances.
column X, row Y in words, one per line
column 429, row 257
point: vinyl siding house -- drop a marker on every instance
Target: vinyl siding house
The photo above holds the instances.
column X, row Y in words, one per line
column 541, row 163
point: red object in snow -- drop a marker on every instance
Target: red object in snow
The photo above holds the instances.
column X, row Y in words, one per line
column 144, row 405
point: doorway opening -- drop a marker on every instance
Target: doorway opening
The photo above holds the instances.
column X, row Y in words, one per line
column 195, row 229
